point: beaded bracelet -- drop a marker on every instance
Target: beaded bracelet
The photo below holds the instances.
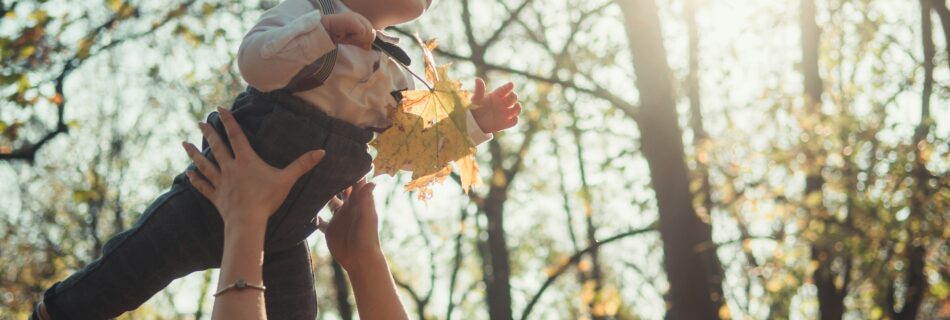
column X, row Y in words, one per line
column 240, row 284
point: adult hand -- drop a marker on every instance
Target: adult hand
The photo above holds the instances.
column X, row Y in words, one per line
column 245, row 189
column 353, row 241
column 351, row 234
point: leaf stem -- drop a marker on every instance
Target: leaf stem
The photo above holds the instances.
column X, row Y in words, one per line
column 407, row 68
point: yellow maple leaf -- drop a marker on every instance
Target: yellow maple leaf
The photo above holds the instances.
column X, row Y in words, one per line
column 429, row 133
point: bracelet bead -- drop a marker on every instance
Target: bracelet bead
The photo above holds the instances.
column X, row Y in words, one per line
column 240, row 284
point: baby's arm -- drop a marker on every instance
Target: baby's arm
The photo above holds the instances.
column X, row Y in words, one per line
column 292, row 35
column 475, row 133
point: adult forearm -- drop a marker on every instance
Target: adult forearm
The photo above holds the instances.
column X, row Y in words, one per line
column 242, row 259
column 375, row 290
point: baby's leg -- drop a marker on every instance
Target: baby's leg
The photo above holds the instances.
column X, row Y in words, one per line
column 288, row 277
column 182, row 232
column 178, row 234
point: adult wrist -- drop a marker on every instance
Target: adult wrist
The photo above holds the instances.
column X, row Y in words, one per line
column 245, row 226
column 367, row 263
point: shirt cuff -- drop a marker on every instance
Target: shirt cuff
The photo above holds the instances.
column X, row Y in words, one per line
column 475, row 134
column 304, row 39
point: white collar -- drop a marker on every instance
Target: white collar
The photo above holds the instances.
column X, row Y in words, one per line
column 383, row 35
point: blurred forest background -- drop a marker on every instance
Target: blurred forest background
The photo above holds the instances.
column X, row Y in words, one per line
column 686, row 158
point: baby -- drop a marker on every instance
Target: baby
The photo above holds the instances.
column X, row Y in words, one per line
column 322, row 75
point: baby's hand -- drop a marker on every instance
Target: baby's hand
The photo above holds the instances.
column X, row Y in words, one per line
column 349, row 28
column 496, row 111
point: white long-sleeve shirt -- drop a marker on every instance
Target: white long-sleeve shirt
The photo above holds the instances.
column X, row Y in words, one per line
column 290, row 36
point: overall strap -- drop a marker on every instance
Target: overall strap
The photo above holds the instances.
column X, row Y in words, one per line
column 313, row 75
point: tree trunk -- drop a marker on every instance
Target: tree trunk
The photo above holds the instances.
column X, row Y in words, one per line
column 342, row 291
column 496, row 268
column 692, row 267
column 940, row 7
column 595, row 274
column 830, row 297
column 810, row 35
column 497, row 271
column 916, row 283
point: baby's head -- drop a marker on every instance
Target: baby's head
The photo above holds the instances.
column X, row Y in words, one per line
column 386, row 13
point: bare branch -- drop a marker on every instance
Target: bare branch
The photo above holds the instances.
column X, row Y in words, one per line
column 940, row 7
column 512, row 16
column 469, row 32
column 28, row 151
column 4, row 9
column 428, row 243
column 573, row 260
column 597, row 92
column 418, row 300
column 456, row 262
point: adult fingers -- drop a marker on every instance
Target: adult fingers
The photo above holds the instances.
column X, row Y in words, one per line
column 362, row 193
column 356, row 186
column 235, row 134
column 303, row 164
column 335, row 204
column 345, row 205
column 346, row 193
column 353, row 199
column 367, row 204
column 218, row 148
column 202, row 185
column 205, row 166
column 322, row 225
column 366, row 194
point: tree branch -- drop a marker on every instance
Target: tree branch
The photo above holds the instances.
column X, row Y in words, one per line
column 420, row 302
column 4, row 9
column 29, row 150
column 456, row 263
column 469, row 32
column 428, row 243
column 597, row 92
column 940, row 7
column 504, row 25
column 573, row 260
